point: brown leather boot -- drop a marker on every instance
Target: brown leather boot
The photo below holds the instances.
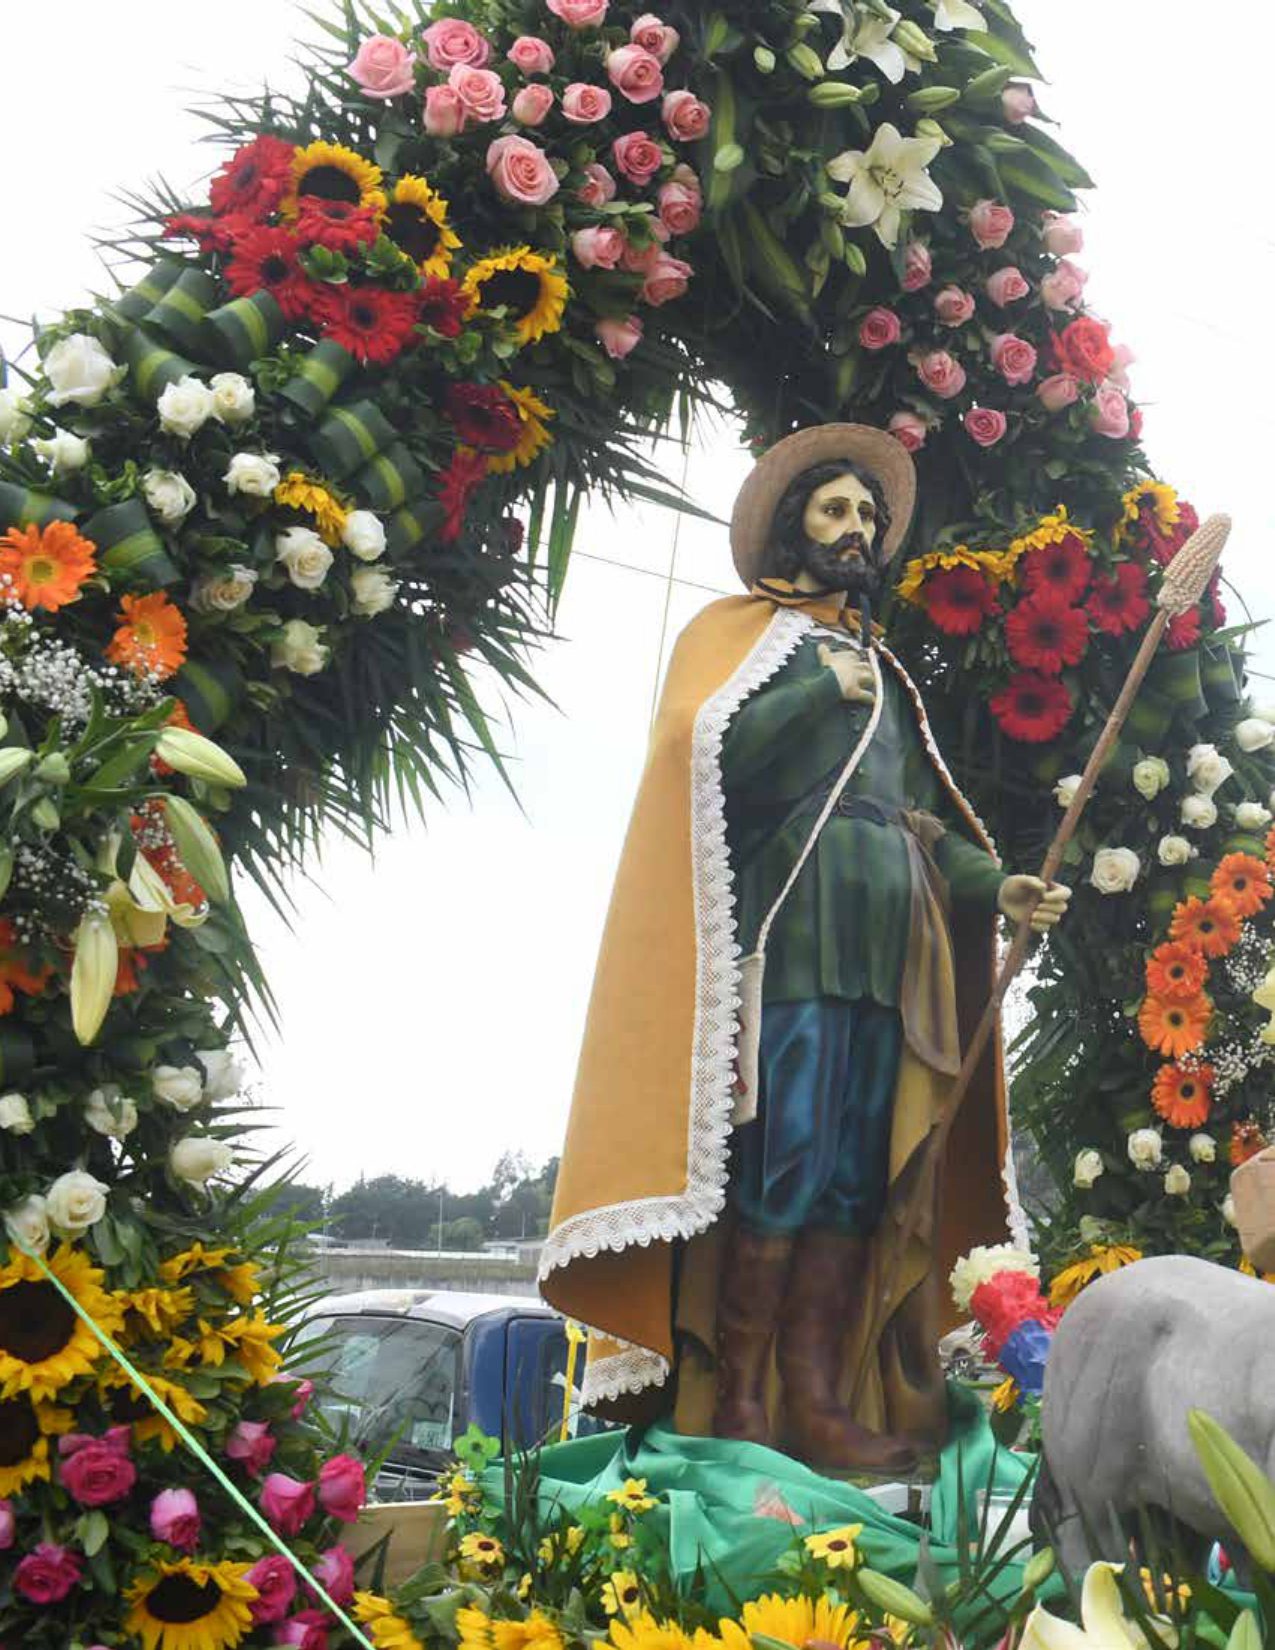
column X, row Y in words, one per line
column 824, row 1288
column 754, row 1271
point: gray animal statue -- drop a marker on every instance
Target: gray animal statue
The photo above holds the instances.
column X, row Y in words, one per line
column 1131, row 1358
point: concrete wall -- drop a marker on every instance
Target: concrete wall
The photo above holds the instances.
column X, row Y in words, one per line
column 347, row 1270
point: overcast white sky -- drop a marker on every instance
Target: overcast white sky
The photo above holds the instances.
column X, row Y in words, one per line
column 432, row 1000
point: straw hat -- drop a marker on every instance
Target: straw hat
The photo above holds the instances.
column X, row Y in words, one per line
column 876, row 450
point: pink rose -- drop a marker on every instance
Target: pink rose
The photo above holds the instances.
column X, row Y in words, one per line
column 1059, row 391
column 685, row 118
column 46, row 1574
column 1109, row 412
column 640, row 260
column 679, row 207
column 618, row 338
column 579, row 14
column 908, row 430
column 1006, row 286
column 583, row 103
column 878, row 328
column 8, row 1525
column 1014, row 358
column 520, row 171
column 654, row 36
column 953, row 306
column 636, row 74
column 175, row 1519
column 481, row 92
column 342, row 1488
column 532, row 103
column 1017, row 103
column 665, row 280
column 444, row 113
column 598, row 248
column 916, row 266
column 1119, row 372
column 286, row 1502
column 276, row 1584
column 1061, row 234
column 986, row 425
column 1062, row 287
column 637, row 156
column 451, row 41
column 383, row 67
column 531, row 55
column 990, row 223
column 251, row 1443
column 598, row 187
column 308, row 1630
column 99, row 1472
column 941, row 374
column 335, row 1571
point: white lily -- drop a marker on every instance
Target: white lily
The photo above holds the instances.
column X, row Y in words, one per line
column 887, row 180
column 958, row 14
column 151, row 893
column 870, row 37
column 1106, row 1627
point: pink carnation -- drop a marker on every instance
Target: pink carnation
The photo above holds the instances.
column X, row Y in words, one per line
column 1014, row 358
column 1006, row 286
column 990, row 223
column 251, row 1443
column 287, row 1502
column 908, row 430
column 598, row 187
column 665, row 280
column 1109, row 412
column 276, row 1584
column 618, row 338
column 342, row 1488
column 917, row 266
column 531, row 55
column 1058, row 391
column 637, row 156
column 941, row 373
column 451, row 41
column 1061, row 234
column 635, row 74
column 383, row 67
column 685, row 117
column 520, row 171
column 481, row 92
column 584, row 103
column 953, row 306
column 335, row 1571
column 175, row 1519
column 878, row 328
column 579, row 14
column 656, row 37
column 46, row 1574
column 444, row 114
column 598, row 248
column 986, row 425
column 532, row 103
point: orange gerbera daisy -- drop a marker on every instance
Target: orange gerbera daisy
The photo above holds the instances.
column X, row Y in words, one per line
column 1182, row 1096
column 46, row 565
column 1247, row 1140
column 1210, row 924
column 151, row 639
column 14, row 970
column 1174, row 1028
column 178, row 717
column 1176, row 971
column 1243, row 882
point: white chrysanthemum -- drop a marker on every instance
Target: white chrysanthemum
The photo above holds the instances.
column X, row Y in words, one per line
column 984, row 1262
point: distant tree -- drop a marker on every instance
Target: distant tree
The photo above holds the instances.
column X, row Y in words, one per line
column 466, row 1233
column 407, row 1214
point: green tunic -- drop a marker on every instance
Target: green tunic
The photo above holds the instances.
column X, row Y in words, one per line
column 843, row 930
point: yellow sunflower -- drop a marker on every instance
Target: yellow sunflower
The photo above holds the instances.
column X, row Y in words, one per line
column 297, row 492
column 1102, row 1258
column 182, row 1604
column 483, row 1550
column 160, row 1310
column 632, row 1496
column 1167, row 512
column 795, row 1621
column 562, row 1544
column 247, row 1338
column 127, row 1402
column 836, row 1547
column 25, row 1430
column 386, row 1630
column 416, row 221
column 463, row 1494
column 622, row 1595
column 536, row 1632
column 334, row 173
column 620, row 1538
column 645, row 1633
column 534, row 438
column 194, row 1259
column 474, row 1627
column 991, row 562
column 44, row 1345
column 1006, row 1395
column 527, row 285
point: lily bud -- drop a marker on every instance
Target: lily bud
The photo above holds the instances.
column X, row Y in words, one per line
column 928, row 100
column 6, row 867
column 806, row 60
column 834, row 94
column 1246, row 1634
column 44, row 814
column 54, row 769
column 1039, row 1567
column 932, row 129
column 913, row 39
column 14, row 761
column 990, row 82
column 893, row 1597
column 1240, row 1487
column 198, row 848
column 764, row 59
column 854, row 259
column 190, row 753
column 93, row 974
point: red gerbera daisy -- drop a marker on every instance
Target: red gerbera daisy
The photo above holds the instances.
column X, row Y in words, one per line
column 455, row 487
column 254, row 180
column 958, row 599
column 209, row 234
column 443, row 306
column 1032, row 707
column 1062, row 567
column 373, row 324
column 337, row 226
column 265, row 257
column 484, row 417
column 1119, row 603
column 1165, row 542
column 1183, row 631
column 1045, row 633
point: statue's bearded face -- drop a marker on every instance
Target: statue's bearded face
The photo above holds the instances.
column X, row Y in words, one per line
column 839, row 528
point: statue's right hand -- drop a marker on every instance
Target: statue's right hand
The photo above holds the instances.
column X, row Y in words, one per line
column 852, row 671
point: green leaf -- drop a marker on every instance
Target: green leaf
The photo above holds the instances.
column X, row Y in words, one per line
column 93, row 1528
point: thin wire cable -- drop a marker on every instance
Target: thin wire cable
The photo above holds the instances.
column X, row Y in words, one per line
column 668, row 587
column 648, row 572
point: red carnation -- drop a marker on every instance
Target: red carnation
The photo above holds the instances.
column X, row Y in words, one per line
column 1183, row 631
column 266, row 258
column 1062, row 567
column 455, row 487
column 209, row 234
column 373, row 324
column 1032, row 707
column 1165, row 544
column 337, row 226
column 443, row 306
column 958, row 599
column 1045, row 632
column 254, row 180
column 484, row 417
column 1005, row 1301
column 1119, row 603
column 1084, row 349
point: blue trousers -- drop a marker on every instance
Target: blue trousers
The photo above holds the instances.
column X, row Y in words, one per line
column 818, row 1152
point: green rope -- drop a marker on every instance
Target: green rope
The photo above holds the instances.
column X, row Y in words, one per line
column 199, row 1452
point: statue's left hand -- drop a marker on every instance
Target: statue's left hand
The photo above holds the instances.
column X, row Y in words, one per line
column 1022, row 896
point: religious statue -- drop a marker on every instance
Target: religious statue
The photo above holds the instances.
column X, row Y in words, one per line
column 801, row 936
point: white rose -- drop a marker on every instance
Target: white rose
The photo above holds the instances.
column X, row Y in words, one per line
column 1202, row 1147
column 224, row 594
column 1115, row 870
column 1145, row 1148
column 254, row 473
column 223, row 1074
column 169, row 494
column 181, row 1086
column 197, row 1159
column 79, row 369
column 1150, row 776
column 63, row 452
column 301, row 648
column 1206, row 768
column 305, row 555
column 1177, row 1182
column 185, row 407
column 234, row 400
column 1251, row 816
column 15, row 1114
column 1253, row 734
column 76, row 1201
column 363, row 535
column 1174, row 850
column 1065, row 789
column 1228, row 1209
column 1088, row 1167
column 373, row 589
column 1266, row 712
column 27, row 1224
column 110, row 1112
column 14, row 422
column 1199, row 811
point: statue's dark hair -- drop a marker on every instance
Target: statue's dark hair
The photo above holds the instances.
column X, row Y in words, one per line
column 786, row 538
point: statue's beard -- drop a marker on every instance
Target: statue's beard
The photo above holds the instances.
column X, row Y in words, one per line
column 833, row 570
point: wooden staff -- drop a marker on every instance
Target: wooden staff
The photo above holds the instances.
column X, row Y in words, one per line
column 1182, row 587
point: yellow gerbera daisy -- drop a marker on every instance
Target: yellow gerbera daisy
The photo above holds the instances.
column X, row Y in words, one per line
column 334, row 173
column 44, row 1345
column 632, row 1496
column 483, row 1550
column 25, row 1430
column 386, row 1630
column 796, row 1621
column 127, row 1402
column 527, row 285
column 537, row 1632
column 416, row 221
column 836, row 1547
column 622, row 1595
column 182, row 1604
column 298, row 492
column 1102, row 1258
column 534, row 437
